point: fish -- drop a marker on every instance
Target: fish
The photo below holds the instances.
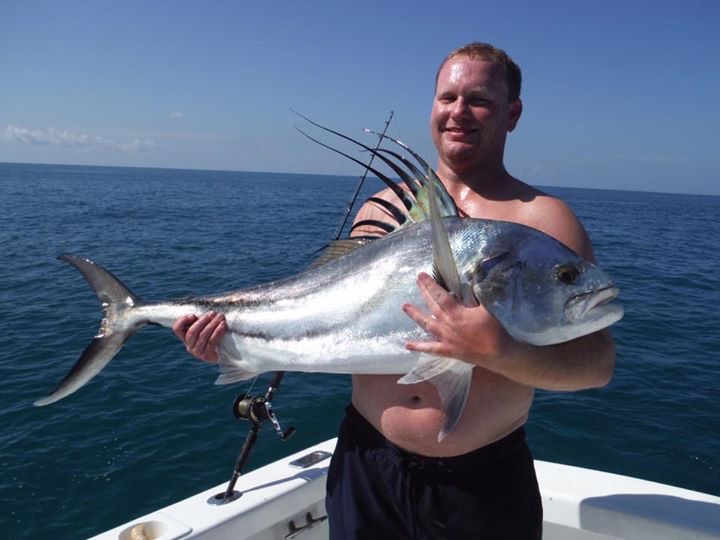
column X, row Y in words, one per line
column 343, row 315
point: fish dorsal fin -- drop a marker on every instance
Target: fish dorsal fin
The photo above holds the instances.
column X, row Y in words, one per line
column 338, row 248
column 425, row 199
column 421, row 186
column 396, row 213
column 391, row 211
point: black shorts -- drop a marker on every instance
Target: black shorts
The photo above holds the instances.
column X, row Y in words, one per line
column 376, row 490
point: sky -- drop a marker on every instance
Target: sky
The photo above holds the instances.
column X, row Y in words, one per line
column 617, row 94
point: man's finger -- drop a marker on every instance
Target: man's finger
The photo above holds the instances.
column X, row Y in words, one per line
column 193, row 332
column 425, row 320
column 217, row 335
column 428, row 347
column 415, row 313
column 182, row 325
column 434, row 294
column 202, row 344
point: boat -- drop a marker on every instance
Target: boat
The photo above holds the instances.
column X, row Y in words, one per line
column 285, row 500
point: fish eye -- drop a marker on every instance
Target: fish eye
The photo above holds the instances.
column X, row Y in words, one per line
column 566, row 273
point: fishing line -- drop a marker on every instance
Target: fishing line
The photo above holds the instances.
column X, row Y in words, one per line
column 252, row 383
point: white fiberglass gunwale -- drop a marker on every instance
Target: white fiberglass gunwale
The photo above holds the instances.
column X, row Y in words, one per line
column 283, row 501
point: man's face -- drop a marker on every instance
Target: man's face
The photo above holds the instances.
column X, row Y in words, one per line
column 471, row 115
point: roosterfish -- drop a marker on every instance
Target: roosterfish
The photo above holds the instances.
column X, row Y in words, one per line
column 343, row 315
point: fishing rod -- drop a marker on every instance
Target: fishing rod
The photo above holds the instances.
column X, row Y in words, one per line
column 258, row 409
column 255, row 409
column 351, row 203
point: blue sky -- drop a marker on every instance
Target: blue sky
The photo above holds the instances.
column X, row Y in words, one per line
column 621, row 95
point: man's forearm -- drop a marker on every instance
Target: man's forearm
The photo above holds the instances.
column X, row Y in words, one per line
column 473, row 335
column 586, row 362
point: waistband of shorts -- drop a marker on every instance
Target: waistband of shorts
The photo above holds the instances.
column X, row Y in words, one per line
column 374, row 439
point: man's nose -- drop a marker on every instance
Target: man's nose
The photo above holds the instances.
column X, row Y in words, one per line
column 459, row 108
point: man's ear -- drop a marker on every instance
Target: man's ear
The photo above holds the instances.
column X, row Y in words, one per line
column 515, row 113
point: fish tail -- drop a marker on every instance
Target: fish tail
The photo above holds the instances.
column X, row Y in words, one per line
column 115, row 328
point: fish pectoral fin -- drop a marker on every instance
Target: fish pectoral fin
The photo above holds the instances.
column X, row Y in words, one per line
column 444, row 267
column 452, row 379
column 426, row 368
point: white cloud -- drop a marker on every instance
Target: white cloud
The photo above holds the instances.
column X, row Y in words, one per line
column 51, row 136
column 137, row 145
column 57, row 137
column 177, row 114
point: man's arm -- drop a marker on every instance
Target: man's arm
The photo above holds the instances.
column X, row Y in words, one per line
column 201, row 335
column 473, row 335
column 373, row 212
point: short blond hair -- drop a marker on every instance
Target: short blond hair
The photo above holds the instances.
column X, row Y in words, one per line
column 485, row 51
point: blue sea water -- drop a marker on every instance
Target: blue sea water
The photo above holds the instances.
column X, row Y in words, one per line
column 152, row 428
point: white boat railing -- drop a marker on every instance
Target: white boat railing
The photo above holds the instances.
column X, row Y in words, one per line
column 284, row 500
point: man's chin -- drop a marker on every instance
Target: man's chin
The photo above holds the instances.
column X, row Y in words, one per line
column 459, row 151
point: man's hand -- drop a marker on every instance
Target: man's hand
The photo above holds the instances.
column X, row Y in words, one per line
column 201, row 335
column 473, row 335
column 465, row 333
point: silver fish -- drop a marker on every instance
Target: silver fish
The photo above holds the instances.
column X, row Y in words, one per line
column 344, row 315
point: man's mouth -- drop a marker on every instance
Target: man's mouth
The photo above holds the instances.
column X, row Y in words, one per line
column 459, row 131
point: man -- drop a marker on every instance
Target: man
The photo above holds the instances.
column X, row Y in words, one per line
column 390, row 477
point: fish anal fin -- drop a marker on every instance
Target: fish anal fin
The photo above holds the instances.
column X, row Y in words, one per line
column 234, row 375
column 452, row 379
column 232, row 370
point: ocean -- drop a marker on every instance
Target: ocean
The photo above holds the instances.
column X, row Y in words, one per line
column 152, row 428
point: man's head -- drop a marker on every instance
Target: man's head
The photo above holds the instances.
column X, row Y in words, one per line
column 485, row 51
column 476, row 104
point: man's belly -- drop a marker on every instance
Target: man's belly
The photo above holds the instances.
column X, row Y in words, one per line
column 410, row 415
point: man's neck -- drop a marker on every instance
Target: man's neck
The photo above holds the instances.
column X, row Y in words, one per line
column 487, row 181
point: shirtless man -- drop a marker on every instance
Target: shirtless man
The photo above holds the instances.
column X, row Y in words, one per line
column 390, row 477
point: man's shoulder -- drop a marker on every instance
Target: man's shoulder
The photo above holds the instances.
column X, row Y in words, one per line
column 554, row 217
column 542, row 208
column 522, row 203
column 370, row 213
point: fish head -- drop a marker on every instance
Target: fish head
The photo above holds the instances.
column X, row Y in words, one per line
column 544, row 293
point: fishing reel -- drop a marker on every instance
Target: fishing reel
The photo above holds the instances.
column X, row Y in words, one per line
column 257, row 409
column 254, row 409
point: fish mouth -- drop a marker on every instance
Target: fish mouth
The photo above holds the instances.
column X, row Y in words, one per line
column 594, row 305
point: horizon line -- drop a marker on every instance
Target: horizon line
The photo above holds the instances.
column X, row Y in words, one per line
column 332, row 175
